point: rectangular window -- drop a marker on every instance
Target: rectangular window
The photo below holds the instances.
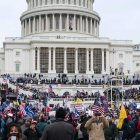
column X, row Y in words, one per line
column 79, row 2
column 69, row 1
column 63, row 2
column 120, row 56
column 84, row 3
column 137, row 64
column 51, row 22
column 57, row 17
column 36, row 2
column 40, row 2
column 17, row 67
column 57, row 1
column 17, row 53
column 64, row 22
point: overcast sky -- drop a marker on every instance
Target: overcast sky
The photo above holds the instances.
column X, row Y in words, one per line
column 120, row 19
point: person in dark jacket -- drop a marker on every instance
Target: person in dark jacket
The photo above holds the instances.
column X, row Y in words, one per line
column 59, row 130
column 32, row 133
column 42, row 124
column 111, row 132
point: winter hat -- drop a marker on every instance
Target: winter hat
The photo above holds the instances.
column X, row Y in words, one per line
column 129, row 117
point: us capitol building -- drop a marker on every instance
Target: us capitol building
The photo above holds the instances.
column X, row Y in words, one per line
column 62, row 36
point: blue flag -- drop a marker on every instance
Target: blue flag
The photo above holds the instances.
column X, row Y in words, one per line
column 75, row 111
column 29, row 111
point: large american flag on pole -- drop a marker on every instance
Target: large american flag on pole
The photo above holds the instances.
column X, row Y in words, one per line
column 99, row 109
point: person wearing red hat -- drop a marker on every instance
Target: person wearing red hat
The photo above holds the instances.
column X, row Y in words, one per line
column 129, row 117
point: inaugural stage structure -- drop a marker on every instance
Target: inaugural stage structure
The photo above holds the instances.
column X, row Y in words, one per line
column 62, row 36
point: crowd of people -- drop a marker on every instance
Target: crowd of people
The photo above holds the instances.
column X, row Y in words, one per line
column 64, row 79
column 40, row 124
column 22, row 120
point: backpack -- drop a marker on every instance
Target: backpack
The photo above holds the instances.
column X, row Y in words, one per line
column 138, row 126
column 130, row 130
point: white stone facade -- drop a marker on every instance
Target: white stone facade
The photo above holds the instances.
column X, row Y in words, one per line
column 62, row 36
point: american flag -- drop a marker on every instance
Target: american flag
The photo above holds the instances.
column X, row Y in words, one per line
column 96, row 108
column 22, row 110
column 78, row 107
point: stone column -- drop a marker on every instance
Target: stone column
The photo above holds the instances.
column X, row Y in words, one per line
column 87, row 66
column 81, row 27
column 49, row 69
column 103, row 61
column 67, row 22
column 40, row 23
column 91, row 55
column 38, row 59
column 60, row 23
column 76, row 60
column 47, row 27
column 91, row 26
column 53, row 23
column 34, row 3
column 65, row 60
column 38, row 2
column 54, row 66
column 74, row 23
column 107, row 62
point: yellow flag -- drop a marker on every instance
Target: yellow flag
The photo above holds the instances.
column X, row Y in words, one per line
column 121, row 117
column 15, row 103
column 79, row 100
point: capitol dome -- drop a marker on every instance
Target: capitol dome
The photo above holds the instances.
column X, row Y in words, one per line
column 68, row 17
column 62, row 37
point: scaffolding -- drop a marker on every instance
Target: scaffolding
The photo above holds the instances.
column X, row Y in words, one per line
column 115, row 84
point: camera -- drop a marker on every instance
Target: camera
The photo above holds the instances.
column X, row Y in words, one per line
column 97, row 114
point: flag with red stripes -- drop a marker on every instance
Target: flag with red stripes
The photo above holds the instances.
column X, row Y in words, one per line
column 22, row 110
column 98, row 109
column 78, row 107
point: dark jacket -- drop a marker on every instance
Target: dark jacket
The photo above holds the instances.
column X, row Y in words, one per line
column 59, row 130
column 111, row 132
column 41, row 126
column 30, row 135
